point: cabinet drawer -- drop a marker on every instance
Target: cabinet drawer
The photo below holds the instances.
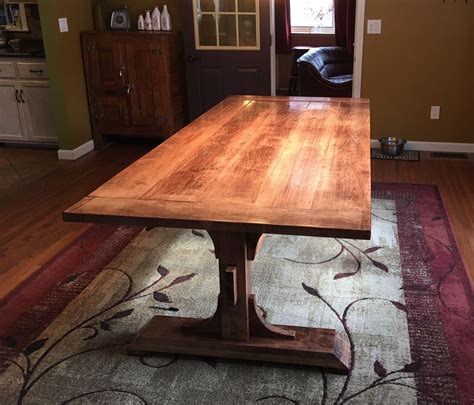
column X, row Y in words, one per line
column 29, row 70
column 7, row 70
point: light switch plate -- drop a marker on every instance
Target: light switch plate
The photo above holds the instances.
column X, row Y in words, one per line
column 63, row 25
column 374, row 26
column 435, row 112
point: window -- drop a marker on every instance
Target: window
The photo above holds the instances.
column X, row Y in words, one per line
column 312, row 16
column 227, row 24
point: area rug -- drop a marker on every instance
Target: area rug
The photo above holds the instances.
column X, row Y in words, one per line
column 403, row 299
column 407, row 155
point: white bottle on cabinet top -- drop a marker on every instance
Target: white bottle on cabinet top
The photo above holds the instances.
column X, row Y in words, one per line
column 141, row 23
column 156, row 19
column 165, row 19
column 148, row 26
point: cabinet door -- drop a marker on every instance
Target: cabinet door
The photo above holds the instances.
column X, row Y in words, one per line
column 39, row 112
column 11, row 114
column 104, row 63
column 146, row 65
column 110, row 112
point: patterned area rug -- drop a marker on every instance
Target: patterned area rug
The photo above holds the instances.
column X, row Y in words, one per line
column 408, row 155
column 403, row 299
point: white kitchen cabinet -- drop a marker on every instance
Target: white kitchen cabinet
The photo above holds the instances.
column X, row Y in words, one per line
column 12, row 122
column 26, row 107
column 38, row 112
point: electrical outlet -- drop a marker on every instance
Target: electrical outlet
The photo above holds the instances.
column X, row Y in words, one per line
column 435, row 112
column 374, row 26
column 63, row 25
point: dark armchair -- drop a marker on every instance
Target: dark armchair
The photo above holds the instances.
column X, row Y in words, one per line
column 325, row 72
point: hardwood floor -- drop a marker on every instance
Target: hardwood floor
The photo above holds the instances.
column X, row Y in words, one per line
column 32, row 229
column 22, row 166
column 31, row 221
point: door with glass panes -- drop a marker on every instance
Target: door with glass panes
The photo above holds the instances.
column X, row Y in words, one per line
column 227, row 47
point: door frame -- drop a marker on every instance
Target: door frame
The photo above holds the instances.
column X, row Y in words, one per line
column 358, row 48
column 272, row 49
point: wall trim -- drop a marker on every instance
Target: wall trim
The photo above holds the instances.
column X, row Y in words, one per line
column 358, row 48
column 434, row 146
column 74, row 154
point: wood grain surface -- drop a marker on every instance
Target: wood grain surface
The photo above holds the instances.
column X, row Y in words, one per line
column 251, row 164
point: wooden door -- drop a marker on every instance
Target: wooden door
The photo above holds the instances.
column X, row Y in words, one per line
column 39, row 114
column 147, row 81
column 11, row 113
column 104, row 63
column 227, row 46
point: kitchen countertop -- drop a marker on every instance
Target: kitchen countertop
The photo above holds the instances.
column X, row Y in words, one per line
column 21, row 53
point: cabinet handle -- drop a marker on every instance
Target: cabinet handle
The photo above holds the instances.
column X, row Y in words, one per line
column 130, row 88
column 122, row 71
column 17, row 96
column 21, row 97
column 36, row 71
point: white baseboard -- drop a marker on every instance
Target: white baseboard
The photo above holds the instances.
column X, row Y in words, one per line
column 434, row 146
column 73, row 154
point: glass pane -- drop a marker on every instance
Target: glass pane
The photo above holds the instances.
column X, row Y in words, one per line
column 247, row 6
column 207, row 30
column 247, row 30
column 207, row 5
column 227, row 30
column 227, row 5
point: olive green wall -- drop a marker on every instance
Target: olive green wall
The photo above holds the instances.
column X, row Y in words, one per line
column 424, row 57
column 137, row 7
column 63, row 54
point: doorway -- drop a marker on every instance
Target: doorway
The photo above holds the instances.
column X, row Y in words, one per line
column 312, row 24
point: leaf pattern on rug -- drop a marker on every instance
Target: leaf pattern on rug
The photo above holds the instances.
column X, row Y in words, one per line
column 36, row 368
column 379, row 369
column 353, row 251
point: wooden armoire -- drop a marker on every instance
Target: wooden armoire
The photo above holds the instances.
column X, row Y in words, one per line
column 135, row 83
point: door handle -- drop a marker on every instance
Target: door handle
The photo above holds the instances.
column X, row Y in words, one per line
column 17, row 96
column 21, row 97
column 193, row 58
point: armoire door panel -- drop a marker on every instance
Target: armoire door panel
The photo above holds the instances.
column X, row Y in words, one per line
column 147, row 81
column 111, row 111
column 105, row 64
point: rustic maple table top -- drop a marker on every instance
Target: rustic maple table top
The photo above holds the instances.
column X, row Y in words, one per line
column 289, row 165
column 249, row 166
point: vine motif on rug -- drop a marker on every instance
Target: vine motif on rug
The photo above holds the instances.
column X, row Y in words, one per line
column 33, row 371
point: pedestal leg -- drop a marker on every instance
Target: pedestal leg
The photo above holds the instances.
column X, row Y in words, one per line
column 238, row 329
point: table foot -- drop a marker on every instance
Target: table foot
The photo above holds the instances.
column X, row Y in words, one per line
column 309, row 346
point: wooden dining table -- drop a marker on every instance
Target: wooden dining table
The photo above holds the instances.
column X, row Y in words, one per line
column 250, row 166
